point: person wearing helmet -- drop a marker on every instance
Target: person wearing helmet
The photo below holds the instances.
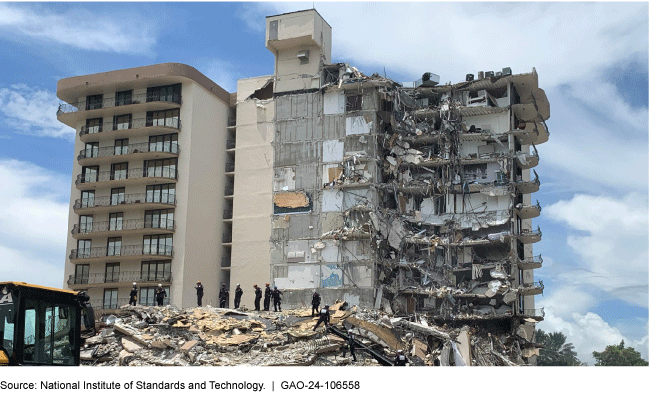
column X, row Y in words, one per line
column 401, row 359
column 223, row 296
column 324, row 316
column 267, row 297
column 133, row 295
column 315, row 302
column 351, row 345
column 258, row 297
column 238, row 292
column 277, row 301
column 161, row 293
column 199, row 294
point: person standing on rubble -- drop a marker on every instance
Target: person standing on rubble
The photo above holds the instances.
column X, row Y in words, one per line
column 199, row 294
column 315, row 302
column 258, row 297
column 277, row 301
column 223, row 296
column 238, row 292
column 133, row 295
column 161, row 293
column 351, row 345
column 267, row 297
column 401, row 360
column 324, row 316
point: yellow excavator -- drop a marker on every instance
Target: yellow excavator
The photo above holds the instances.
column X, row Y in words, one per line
column 41, row 325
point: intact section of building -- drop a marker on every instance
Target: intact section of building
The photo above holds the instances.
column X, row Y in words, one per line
column 147, row 196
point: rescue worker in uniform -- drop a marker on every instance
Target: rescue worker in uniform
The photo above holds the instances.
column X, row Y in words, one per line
column 351, row 345
column 238, row 293
column 277, row 301
column 258, row 297
column 315, row 302
column 324, row 316
column 161, row 293
column 401, row 359
column 133, row 295
column 267, row 297
column 199, row 294
column 223, row 296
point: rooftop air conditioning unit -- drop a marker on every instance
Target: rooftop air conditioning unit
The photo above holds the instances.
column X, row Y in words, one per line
column 489, row 74
column 469, row 77
column 498, row 73
column 506, row 71
column 303, row 55
column 481, row 75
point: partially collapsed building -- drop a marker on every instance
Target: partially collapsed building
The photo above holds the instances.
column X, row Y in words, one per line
column 407, row 197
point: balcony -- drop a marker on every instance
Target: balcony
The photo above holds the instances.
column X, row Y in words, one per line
column 138, row 103
column 527, row 161
column 528, row 263
column 528, row 236
column 526, row 187
column 527, row 211
column 230, row 167
column 232, row 121
column 532, row 289
column 227, row 214
column 226, row 238
column 138, row 201
column 130, row 252
column 231, row 144
column 118, row 279
column 536, row 313
column 229, row 190
column 225, row 262
column 134, row 128
column 131, row 152
column 133, row 226
column 94, row 180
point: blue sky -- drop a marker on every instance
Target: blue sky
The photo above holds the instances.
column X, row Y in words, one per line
column 592, row 61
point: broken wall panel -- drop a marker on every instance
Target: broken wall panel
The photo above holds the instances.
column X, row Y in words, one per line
column 331, row 276
column 334, row 102
column 284, row 179
column 331, row 221
column 358, row 125
column 332, row 151
column 303, row 276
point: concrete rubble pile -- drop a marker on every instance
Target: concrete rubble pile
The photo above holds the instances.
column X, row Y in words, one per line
column 167, row 336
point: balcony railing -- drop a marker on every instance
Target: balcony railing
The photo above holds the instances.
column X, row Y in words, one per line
column 122, row 251
column 529, row 233
column 229, row 190
column 230, row 167
column 109, row 151
column 107, row 176
column 129, row 276
column 227, row 214
column 226, row 238
column 109, row 126
column 534, row 312
column 116, row 200
column 230, row 144
column 533, row 259
column 129, row 224
column 109, row 102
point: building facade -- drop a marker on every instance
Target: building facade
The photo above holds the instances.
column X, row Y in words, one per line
column 411, row 197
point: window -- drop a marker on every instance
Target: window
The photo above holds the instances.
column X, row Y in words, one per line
column 89, row 174
column 81, row 273
column 85, row 223
column 167, row 118
column 112, row 272
column 121, row 147
column 159, row 219
column 115, row 221
column 94, row 102
column 148, row 298
column 171, row 93
column 91, row 150
column 157, row 244
column 50, row 332
column 121, row 122
column 114, row 247
column 94, row 125
column 123, row 98
column 117, row 196
column 353, row 103
column 119, row 171
column 156, row 271
column 87, row 198
column 165, row 194
column 83, row 248
column 110, row 299
column 166, row 143
column 161, row 168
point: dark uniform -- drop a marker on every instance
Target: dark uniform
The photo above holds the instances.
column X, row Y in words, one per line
column 199, row 294
column 133, row 295
column 258, row 297
column 351, row 345
column 223, row 297
column 324, row 316
column 238, row 293
column 161, row 293
column 400, row 360
column 267, row 297
column 277, row 301
column 315, row 302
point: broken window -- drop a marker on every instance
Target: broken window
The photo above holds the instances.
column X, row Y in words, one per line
column 353, row 103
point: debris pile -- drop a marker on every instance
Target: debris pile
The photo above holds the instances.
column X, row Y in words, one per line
column 167, row 336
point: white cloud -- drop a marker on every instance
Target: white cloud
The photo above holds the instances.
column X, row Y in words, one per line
column 32, row 111
column 22, row 266
column 77, row 27
column 611, row 238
